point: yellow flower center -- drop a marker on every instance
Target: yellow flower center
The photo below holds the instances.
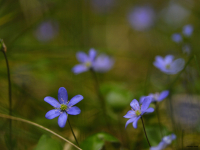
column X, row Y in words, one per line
column 167, row 66
column 63, row 107
column 88, row 64
column 137, row 112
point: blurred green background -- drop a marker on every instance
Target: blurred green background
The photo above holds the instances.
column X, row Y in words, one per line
column 42, row 39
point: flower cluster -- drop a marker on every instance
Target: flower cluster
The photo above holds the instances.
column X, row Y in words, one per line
column 102, row 63
column 168, row 65
column 63, row 107
column 137, row 111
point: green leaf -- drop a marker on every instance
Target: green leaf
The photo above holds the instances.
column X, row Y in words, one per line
column 117, row 96
column 47, row 143
column 97, row 141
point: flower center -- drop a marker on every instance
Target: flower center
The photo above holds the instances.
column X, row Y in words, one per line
column 88, row 64
column 137, row 112
column 63, row 107
column 167, row 66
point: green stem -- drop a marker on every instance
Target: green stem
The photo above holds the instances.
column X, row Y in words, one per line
column 159, row 119
column 72, row 132
column 37, row 125
column 145, row 132
column 101, row 98
column 3, row 49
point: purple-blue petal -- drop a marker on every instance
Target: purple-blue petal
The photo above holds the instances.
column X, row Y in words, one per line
column 52, row 101
column 176, row 37
column 142, row 99
column 79, row 69
column 82, row 57
column 149, row 110
column 177, row 65
column 163, row 95
column 187, row 30
column 129, row 121
column 169, row 59
column 160, row 146
column 62, row 119
column 146, row 103
column 92, row 54
column 62, row 95
column 130, row 114
column 135, row 122
column 52, row 114
column 135, row 105
column 75, row 100
column 103, row 63
column 74, row 110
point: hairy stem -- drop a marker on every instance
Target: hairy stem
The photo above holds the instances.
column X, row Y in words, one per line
column 72, row 132
column 145, row 132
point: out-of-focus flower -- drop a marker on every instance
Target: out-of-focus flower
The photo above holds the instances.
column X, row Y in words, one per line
column 166, row 140
column 187, row 30
column 168, row 65
column 157, row 97
column 63, row 107
column 176, row 37
column 102, row 6
column 46, row 31
column 137, row 111
column 141, row 18
column 101, row 63
column 186, row 48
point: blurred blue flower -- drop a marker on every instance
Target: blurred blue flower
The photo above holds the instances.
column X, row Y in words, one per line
column 157, row 97
column 167, row 140
column 63, row 107
column 176, row 37
column 141, row 18
column 186, row 48
column 137, row 111
column 187, row 30
column 168, row 65
column 46, row 31
column 102, row 63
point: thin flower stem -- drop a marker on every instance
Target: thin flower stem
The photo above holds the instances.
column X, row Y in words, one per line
column 159, row 119
column 195, row 58
column 72, row 132
column 101, row 98
column 3, row 49
column 37, row 125
column 145, row 132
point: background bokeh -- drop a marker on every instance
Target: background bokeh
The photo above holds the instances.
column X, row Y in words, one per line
column 42, row 39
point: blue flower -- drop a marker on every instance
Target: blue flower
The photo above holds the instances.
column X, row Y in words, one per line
column 167, row 140
column 157, row 97
column 176, row 37
column 187, row 30
column 141, row 17
column 168, row 65
column 137, row 111
column 63, row 107
column 102, row 63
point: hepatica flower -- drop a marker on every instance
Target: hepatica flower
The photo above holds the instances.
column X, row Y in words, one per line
column 187, row 30
column 168, row 65
column 167, row 140
column 156, row 97
column 63, row 107
column 141, row 18
column 101, row 63
column 137, row 111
